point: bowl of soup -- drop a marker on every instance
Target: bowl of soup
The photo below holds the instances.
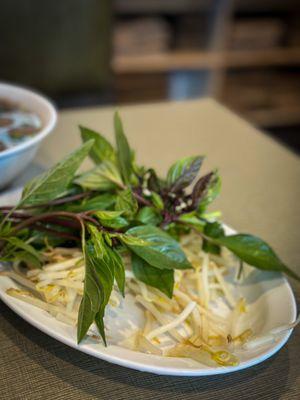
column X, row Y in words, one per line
column 26, row 118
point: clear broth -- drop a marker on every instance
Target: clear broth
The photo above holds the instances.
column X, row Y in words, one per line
column 16, row 124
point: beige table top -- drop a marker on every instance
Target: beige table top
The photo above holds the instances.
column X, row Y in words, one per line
column 260, row 195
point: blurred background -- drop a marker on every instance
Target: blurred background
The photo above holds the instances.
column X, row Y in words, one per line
column 245, row 54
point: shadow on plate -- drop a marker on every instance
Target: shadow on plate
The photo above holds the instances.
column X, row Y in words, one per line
column 262, row 281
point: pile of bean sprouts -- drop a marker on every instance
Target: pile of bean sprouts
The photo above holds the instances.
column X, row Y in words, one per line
column 188, row 325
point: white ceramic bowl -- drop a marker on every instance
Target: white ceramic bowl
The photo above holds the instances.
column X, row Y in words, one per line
column 14, row 160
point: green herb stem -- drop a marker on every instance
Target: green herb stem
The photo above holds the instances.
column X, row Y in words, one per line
column 46, row 216
column 62, row 200
column 240, row 271
column 61, row 218
column 55, row 232
column 141, row 199
column 91, row 219
column 19, row 216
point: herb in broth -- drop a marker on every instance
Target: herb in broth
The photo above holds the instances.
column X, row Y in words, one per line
column 16, row 124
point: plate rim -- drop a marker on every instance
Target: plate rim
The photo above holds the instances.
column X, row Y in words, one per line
column 158, row 369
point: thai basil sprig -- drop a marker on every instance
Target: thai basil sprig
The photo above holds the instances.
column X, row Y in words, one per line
column 120, row 207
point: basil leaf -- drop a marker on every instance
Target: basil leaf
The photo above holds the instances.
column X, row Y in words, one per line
column 101, row 150
column 192, row 220
column 214, row 229
column 183, row 172
column 109, row 254
column 53, row 183
column 108, row 214
column 162, row 251
column 116, row 266
column 5, row 228
column 149, row 216
column 111, row 219
column 254, row 251
column 98, row 283
column 210, row 192
column 119, row 270
column 211, row 216
column 132, row 240
column 28, row 259
column 100, row 202
column 127, row 203
column 107, row 238
column 200, row 189
column 103, row 177
column 154, row 184
column 176, row 230
column 20, row 244
column 28, row 253
column 157, row 201
column 123, row 150
column 162, row 279
column 137, row 171
column 210, row 247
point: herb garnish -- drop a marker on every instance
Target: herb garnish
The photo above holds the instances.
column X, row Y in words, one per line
column 116, row 207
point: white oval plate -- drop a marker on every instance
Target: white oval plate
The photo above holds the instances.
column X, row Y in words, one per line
column 271, row 303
